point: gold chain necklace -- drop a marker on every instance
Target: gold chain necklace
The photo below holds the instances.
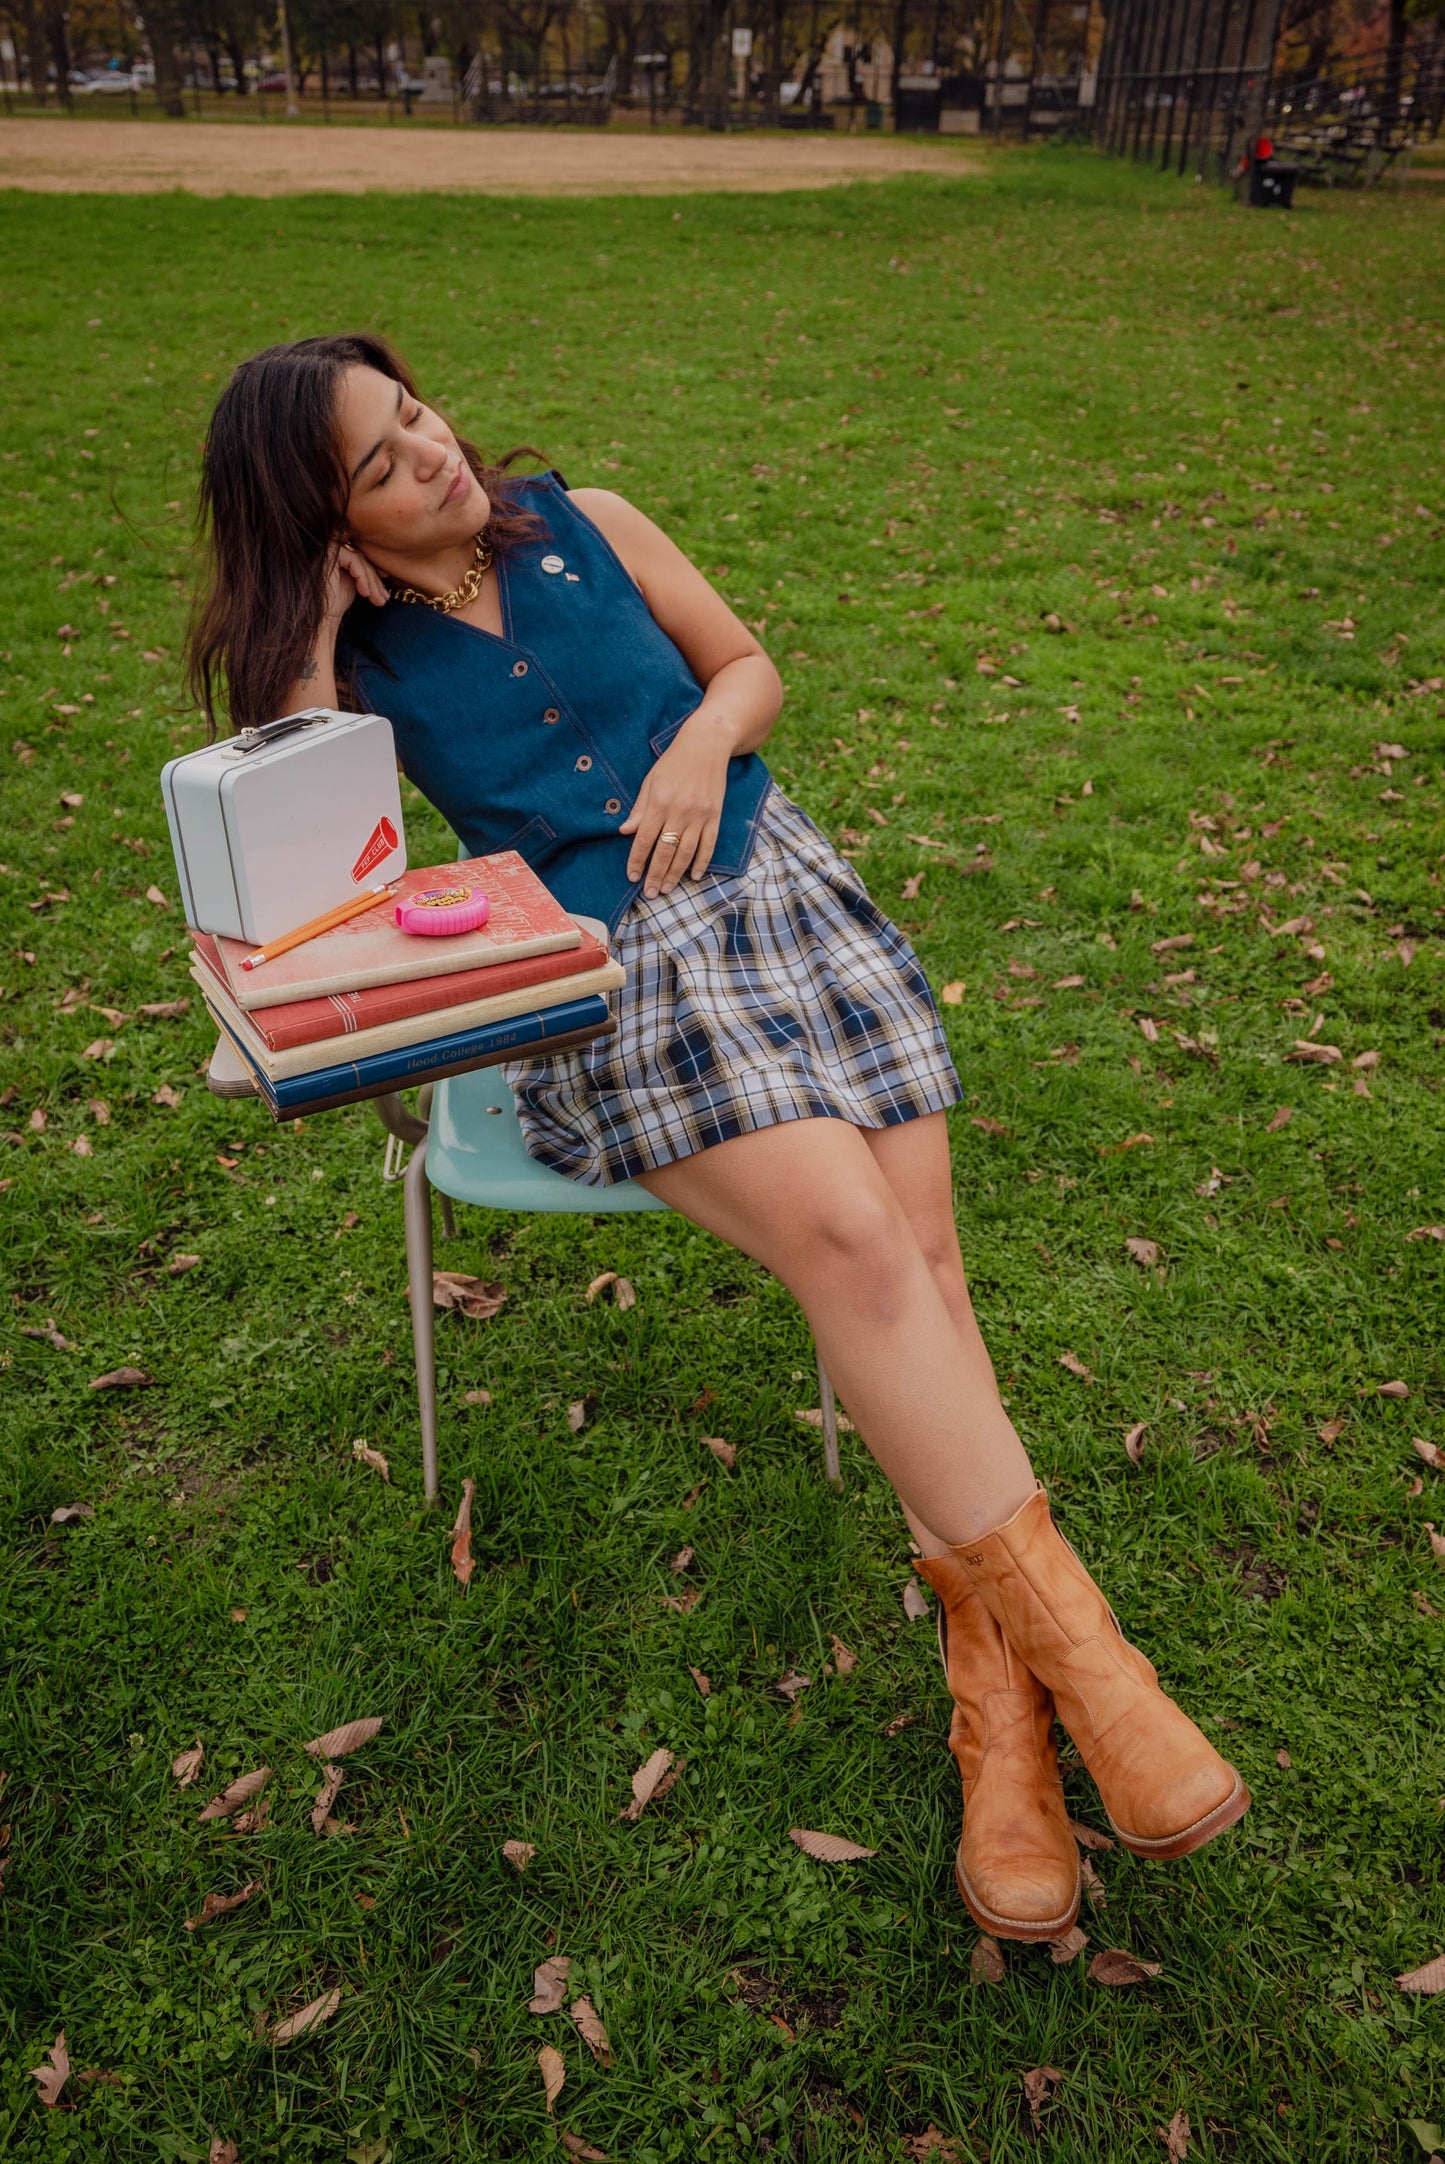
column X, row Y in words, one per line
column 459, row 596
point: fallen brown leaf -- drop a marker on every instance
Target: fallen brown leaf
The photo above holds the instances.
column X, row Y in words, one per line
column 986, row 1962
column 554, row 2072
column 1068, row 984
column 1115, row 1966
column 828, row 1847
column 1148, row 1028
column 1094, row 1886
column 185, row 1768
column 519, row 1853
column 549, row 1985
column 590, row 2029
column 215, row 1904
column 166, row 1096
column 577, row 1416
column 331, row 1780
column 478, row 1297
column 1430, row 1452
column 1311, row 1054
column 1039, row 2084
column 362, row 1451
column 952, row 994
column 725, row 1453
column 792, row 1683
column 123, row 1379
column 682, row 1559
column 896, row 1726
column 241, row 1790
column 683, row 1603
column 1171, row 946
column 1281, row 1118
column 1392, row 1390
column 477, row 1397
column 1089, row 1836
column 582, row 2150
column 1134, row 1441
column 223, row 2152
column 1331, row 1431
column 254, row 1820
column 165, row 1010
column 1175, row 2138
column 1144, row 1252
column 179, row 1264
column 1069, row 1946
column 71, row 1513
column 1437, row 1542
column 99, row 1048
column 703, row 1682
column 48, row 1334
column 1130, row 1142
column 988, row 1126
column 153, row 892
column 915, row 1601
column 933, row 2146
column 813, row 1415
column 1429, row 1979
column 1075, row 1366
column 844, row 1660
column 51, row 2079
column 647, row 1782
column 309, row 2017
column 462, row 1535
column 341, row 1742
column 1282, row 1758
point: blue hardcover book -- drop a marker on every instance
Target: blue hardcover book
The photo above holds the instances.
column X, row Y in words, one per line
column 429, row 1062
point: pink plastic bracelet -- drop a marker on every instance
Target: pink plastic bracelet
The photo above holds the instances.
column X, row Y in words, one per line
column 437, row 911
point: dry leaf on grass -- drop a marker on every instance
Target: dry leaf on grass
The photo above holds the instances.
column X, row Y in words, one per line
column 223, row 2152
column 1149, row 1028
column 623, row 1292
column 216, row 1904
column 590, row 2028
column 363, row 1451
column 241, row 1790
column 1331, row 1431
column 1069, row 1945
column 682, row 1559
column 549, row 1985
column 478, row 1297
column 952, row 994
column 915, row 1601
column 653, row 1778
column 682, row 1603
column 72, row 1513
column 477, row 1397
column 179, row 1264
column 1075, row 1366
column 166, row 1096
column 1175, row 2138
column 1089, row 1836
column 253, row 1821
column 792, row 1683
column 1134, row 1441
column 1429, row 1979
column 554, row 2072
column 1282, row 1758
column 51, row 2079
column 1392, row 1390
column 519, row 1853
column 725, row 1453
column 1430, row 1452
column 123, row 1379
column 813, row 1415
column 341, row 1742
column 844, row 1659
column 704, row 1683
column 1310, row 1054
column 1144, row 1252
column 1039, row 2085
column 986, row 1125
column 582, row 2150
column 1437, row 1542
column 986, row 1963
column 309, row 2017
column 1281, row 1118
column 462, row 1535
column 1115, row 1966
column 1093, row 1885
column 828, row 1847
column 577, row 1416
column 185, row 1768
column 1427, row 1232
column 331, row 1780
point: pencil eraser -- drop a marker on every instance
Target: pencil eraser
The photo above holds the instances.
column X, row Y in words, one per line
column 437, row 911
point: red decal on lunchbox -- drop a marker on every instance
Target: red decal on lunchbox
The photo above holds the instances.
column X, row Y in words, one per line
column 382, row 842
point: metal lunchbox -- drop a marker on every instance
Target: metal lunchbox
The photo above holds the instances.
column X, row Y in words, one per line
column 279, row 823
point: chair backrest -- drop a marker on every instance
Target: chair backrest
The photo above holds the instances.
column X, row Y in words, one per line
column 475, row 1153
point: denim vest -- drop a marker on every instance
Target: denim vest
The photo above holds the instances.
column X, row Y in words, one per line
column 540, row 740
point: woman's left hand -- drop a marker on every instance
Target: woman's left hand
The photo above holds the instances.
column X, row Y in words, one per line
column 675, row 819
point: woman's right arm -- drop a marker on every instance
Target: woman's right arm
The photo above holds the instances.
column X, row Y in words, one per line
column 350, row 575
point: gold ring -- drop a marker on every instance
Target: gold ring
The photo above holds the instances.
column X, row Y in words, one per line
column 671, row 839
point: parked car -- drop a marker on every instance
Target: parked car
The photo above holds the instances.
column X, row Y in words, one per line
column 111, row 82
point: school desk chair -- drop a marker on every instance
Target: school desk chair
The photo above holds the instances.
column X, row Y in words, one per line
column 466, row 1142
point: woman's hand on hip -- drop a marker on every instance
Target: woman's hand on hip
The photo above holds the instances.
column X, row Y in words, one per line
column 675, row 819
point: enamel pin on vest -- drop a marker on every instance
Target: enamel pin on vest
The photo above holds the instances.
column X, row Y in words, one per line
column 553, row 564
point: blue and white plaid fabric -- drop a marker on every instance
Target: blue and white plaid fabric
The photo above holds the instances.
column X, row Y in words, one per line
column 782, row 993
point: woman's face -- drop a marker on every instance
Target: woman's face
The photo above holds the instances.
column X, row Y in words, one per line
column 413, row 495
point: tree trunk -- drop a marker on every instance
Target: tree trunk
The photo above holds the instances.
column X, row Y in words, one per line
column 163, row 54
column 59, row 37
column 38, row 57
column 1394, row 63
column 900, row 38
column 236, row 54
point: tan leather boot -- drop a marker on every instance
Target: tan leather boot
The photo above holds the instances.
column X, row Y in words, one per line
column 1164, row 1786
column 1017, row 1865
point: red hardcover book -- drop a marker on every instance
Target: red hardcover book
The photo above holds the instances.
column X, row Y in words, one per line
column 372, row 949
column 337, row 1014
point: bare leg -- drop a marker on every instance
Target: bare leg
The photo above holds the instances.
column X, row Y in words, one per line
column 810, row 1200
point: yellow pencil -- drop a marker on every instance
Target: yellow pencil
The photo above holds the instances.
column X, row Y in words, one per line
column 326, row 922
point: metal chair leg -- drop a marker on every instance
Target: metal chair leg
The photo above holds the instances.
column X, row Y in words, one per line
column 830, row 1423
column 449, row 1219
column 416, row 1195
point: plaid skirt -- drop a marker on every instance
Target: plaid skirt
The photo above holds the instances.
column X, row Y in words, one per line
column 780, row 993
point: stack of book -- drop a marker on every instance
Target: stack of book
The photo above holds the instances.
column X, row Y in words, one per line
column 367, row 1008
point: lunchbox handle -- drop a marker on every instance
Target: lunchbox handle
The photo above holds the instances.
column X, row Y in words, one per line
column 269, row 731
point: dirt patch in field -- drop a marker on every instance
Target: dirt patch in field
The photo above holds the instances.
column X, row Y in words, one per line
column 120, row 157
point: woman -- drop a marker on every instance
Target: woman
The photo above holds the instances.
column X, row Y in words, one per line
column 562, row 681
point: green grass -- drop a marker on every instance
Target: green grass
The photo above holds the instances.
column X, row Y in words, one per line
column 1062, row 387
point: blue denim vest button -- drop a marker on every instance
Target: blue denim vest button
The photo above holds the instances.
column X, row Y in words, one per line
column 519, row 668
column 613, row 804
column 551, row 714
column 584, row 764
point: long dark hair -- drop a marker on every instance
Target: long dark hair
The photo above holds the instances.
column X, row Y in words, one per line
column 273, row 500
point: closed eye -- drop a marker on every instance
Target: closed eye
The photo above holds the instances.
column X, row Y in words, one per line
column 409, row 422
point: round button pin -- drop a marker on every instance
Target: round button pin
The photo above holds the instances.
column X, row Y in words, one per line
column 519, row 668
column 554, row 564
column 584, row 764
column 551, row 714
column 613, row 804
